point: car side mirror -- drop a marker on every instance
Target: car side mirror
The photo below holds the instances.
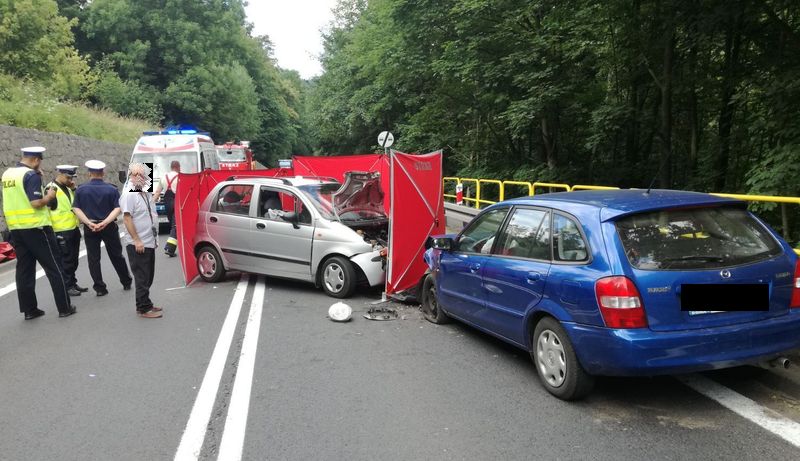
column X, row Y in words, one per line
column 122, row 175
column 442, row 243
column 292, row 217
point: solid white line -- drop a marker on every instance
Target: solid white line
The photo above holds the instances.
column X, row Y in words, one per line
column 195, row 432
column 232, row 443
column 784, row 428
column 39, row 274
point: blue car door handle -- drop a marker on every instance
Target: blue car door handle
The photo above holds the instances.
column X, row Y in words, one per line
column 533, row 277
column 474, row 268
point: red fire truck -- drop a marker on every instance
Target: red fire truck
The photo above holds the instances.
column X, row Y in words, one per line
column 235, row 157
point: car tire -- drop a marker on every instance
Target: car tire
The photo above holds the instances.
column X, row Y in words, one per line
column 556, row 363
column 338, row 277
column 431, row 309
column 209, row 264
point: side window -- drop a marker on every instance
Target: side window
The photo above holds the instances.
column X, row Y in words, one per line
column 212, row 161
column 568, row 244
column 235, row 199
column 527, row 235
column 273, row 203
column 479, row 236
column 202, row 161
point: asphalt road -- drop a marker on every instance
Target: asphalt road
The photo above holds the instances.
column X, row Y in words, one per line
column 105, row 384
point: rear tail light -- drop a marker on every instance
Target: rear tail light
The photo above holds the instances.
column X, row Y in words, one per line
column 796, row 287
column 620, row 303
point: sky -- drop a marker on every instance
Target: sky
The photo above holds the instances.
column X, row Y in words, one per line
column 294, row 28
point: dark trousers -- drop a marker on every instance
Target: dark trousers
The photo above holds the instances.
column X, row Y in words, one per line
column 70, row 243
column 143, row 266
column 109, row 236
column 32, row 245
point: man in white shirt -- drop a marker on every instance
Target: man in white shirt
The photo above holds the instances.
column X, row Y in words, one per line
column 140, row 236
column 169, row 185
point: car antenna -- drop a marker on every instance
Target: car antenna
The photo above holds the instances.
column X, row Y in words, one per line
column 654, row 179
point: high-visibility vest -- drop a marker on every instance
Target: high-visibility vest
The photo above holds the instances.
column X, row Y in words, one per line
column 17, row 207
column 63, row 218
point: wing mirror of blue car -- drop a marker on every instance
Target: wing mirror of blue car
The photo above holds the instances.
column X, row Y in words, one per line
column 292, row 217
column 442, row 243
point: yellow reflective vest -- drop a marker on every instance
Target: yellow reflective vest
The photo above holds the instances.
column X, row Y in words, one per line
column 17, row 207
column 63, row 218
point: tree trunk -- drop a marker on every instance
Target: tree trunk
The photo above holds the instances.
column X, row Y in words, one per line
column 665, row 159
column 727, row 105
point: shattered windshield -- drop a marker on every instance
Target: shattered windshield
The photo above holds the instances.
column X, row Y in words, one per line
column 321, row 195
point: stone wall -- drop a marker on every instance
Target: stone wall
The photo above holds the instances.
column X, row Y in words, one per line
column 62, row 149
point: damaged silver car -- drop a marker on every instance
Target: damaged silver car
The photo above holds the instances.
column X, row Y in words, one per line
column 302, row 228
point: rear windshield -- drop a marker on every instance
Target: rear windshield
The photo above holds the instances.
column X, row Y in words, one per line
column 696, row 238
column 231, row 155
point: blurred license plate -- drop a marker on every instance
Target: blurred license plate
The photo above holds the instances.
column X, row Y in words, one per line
column 697, row 298
column 163, row 219
column 704, row 312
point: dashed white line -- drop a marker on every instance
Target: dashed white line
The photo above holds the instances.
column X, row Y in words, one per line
column 784, row 428
column 232, row 444
column 195, row 432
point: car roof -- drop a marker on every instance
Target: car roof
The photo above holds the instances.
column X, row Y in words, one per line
column 293, row 180
column 616, row 203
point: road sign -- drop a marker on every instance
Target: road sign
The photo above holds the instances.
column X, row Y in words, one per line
column 385, row 139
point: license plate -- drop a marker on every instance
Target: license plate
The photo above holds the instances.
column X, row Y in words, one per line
column 163, row 219
column 697, row 298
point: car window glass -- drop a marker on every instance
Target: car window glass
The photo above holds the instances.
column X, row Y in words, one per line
column 479, row 236
column 234, row 198
column 568, row 244
column 527, row 235
column 274, row 203
column 697, row 238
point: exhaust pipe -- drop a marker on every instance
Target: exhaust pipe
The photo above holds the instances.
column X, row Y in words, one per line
column 780, row 362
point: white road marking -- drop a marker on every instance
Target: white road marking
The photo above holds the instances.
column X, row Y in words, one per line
column 11, row 287
column 195, row 432
column 768, row 419
column 232, row 444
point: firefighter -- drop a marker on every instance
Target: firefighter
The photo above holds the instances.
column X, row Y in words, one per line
column 169, row 184
column 65, row 225
column 25, row 206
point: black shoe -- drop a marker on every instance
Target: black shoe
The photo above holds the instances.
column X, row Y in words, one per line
column 126, row 287
column 71, row 311
column 80, row 288
column 33, row 314
column 102, row 292
column 74, row 292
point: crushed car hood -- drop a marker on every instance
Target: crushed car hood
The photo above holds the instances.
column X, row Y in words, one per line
column 360, row 197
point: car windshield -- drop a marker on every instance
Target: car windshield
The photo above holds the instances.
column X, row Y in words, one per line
column 161, row 161
column 321, row 195
column 697, row 238
column 231, row 155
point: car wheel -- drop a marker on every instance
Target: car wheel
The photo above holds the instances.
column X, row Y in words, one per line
column 431, row 309
column 338, row 277
column 556, row 363
column 209, row 264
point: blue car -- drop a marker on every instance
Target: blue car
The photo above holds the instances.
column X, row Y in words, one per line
column 620, row 283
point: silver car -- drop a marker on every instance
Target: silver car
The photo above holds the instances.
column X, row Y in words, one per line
column 302, row 228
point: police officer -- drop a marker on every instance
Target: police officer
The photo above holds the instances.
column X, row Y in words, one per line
column 65, row 225
column 25, row 206
column 96, row 205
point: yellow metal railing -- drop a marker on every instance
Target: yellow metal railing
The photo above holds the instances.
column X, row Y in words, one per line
column 477, row 200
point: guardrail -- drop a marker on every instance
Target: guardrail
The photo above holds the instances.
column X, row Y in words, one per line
column 475, row 196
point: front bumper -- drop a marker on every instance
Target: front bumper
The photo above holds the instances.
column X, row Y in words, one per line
column 642, row 352
column 372, row 266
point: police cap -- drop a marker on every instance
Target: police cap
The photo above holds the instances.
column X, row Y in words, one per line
column 33, row 151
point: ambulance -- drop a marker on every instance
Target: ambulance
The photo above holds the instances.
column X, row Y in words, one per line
column 194, row 149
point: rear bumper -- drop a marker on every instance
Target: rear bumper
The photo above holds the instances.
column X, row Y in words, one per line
column 642, row 352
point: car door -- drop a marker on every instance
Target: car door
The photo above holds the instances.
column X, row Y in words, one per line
column 459, row 276
column 282, row 248
column 228, row 223
column 514, row 277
